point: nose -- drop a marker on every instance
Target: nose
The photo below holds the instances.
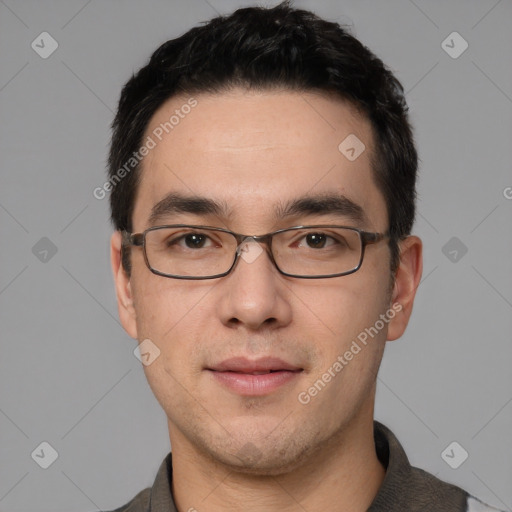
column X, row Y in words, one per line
column 254, row 293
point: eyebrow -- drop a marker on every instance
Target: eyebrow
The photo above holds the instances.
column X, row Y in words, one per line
column 319, row 204
column 323, row 204
column 180, row 204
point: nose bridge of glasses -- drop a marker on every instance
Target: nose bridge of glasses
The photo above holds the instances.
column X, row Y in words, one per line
column 244, row 241
column 250, row 249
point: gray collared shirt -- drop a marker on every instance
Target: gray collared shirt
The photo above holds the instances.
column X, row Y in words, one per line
column 405, row 488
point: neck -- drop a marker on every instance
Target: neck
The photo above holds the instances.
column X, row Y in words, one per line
column 345, row 471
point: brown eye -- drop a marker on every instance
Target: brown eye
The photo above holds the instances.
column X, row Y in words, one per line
column 316, row 240
column 195, row 240
column 191, row 240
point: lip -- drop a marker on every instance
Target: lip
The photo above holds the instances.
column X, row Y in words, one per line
column 245, row 365
column 254, row 377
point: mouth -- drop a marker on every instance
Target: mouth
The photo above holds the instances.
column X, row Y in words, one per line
column 259, row 372
column 254, row 378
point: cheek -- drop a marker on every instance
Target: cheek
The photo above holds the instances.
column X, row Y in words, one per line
column 166, row 307
column 344, row 318
column 175, row 315
column 349, row 338
column 342, row 307
column 171, row 314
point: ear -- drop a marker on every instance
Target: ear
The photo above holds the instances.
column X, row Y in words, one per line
column 125, row 305
column 407, row 280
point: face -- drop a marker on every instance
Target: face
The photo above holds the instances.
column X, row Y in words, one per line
column 254, row 154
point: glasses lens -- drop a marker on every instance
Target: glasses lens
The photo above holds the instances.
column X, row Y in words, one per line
column 318, row 251
column 190, row 252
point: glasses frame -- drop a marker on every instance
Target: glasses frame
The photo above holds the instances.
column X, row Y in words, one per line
column 139, row 240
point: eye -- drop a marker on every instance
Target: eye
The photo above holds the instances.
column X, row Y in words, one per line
column 191, row 241
column 317, row 241
column 196, row 240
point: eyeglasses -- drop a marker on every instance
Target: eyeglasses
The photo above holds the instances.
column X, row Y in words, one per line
column 183, row 251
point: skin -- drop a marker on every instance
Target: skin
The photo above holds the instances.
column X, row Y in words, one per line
column 253, row 151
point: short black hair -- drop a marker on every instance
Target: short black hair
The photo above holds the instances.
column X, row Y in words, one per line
column 265, row 48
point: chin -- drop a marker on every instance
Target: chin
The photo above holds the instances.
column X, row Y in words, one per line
column 272, row 462
column 264, row 455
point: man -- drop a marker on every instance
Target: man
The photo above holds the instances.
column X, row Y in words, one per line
column 263, row 183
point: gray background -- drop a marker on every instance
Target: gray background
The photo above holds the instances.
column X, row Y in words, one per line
column 68, row 375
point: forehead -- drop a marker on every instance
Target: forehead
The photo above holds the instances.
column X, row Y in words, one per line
column 257, row 150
